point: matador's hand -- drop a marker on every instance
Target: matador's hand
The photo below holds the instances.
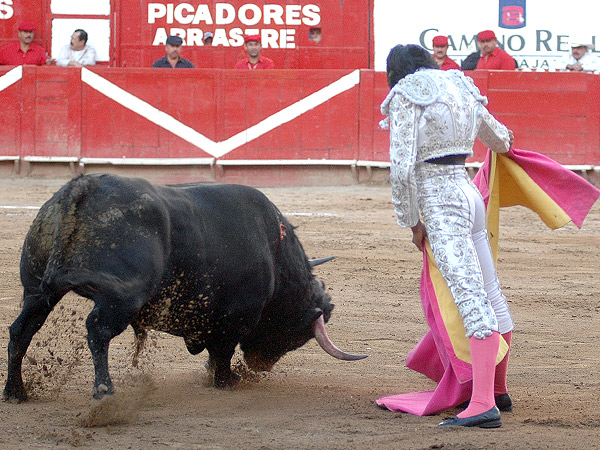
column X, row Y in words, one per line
column 419, row 235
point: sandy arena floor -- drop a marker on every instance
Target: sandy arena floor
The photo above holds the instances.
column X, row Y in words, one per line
column 310, row 400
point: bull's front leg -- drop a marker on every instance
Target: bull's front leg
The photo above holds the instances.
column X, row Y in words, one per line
column 220, row 361
column 240, row 318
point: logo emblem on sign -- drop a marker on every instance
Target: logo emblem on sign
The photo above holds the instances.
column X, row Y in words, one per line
column 511, row 14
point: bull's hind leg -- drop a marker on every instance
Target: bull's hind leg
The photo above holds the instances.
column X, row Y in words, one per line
column 36, row 308
column 105, row 321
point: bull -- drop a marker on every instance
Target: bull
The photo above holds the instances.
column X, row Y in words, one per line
column 215, row 264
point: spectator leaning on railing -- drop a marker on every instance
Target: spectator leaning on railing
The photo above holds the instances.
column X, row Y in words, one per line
column 440, row 54
column 173, row 59
column 24, row 51
column 254, row 60
column 78, row 53
column 581, row 58
column 492, row 56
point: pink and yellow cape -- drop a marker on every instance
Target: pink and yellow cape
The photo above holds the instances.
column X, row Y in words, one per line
column 519, row 177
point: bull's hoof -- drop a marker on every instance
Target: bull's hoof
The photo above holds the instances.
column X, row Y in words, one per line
column 227, row 383
column 15, row 399
column 210, row 366
column 101, row 391
column 14, row 395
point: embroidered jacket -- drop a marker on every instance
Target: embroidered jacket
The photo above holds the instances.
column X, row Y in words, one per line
column 433, row 113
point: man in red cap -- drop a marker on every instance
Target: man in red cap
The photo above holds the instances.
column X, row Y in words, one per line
column 24, row 51
column 440, row 50
column 492, row 56
column 254, row 59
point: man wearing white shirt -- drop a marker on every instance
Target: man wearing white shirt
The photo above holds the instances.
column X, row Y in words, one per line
column 78, row 53
column 580, row 59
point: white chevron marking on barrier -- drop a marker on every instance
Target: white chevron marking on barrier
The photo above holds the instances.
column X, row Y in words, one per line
column 11, row 77
column 218, row 149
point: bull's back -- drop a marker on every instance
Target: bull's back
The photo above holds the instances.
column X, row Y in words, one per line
column 96, row 224
column 232, row 214
column 223, row 233
column 104, row 231
column 221, row 261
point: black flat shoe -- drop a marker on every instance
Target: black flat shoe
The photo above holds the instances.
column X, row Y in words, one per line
column 488, row 419
column 503, row 402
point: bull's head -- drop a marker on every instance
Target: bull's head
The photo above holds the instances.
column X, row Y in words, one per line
column 281, row 331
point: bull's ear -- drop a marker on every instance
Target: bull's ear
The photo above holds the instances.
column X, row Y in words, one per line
column 310, row 316
column 327, row 311
column 315, row 314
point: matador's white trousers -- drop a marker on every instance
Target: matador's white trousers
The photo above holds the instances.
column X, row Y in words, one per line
column 454, row 216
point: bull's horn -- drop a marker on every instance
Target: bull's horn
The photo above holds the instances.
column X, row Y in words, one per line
column 316, row 262
column 327, row 345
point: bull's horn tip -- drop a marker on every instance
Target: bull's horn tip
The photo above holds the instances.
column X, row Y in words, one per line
column 357, row 357
column 317, row 261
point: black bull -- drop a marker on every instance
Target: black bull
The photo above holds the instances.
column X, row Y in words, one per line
column 218, row 265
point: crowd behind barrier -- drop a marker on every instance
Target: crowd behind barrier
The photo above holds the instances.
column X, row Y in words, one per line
column 490, row 54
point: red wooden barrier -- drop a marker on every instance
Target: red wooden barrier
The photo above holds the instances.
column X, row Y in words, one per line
column 227, row 121
column 555, row 112
column 220, row 104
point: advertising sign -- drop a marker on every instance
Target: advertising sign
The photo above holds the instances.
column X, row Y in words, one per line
column 537, row 33
column 511, row 14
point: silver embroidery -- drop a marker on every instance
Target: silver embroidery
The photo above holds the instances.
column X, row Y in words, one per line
column 403, row 151
column 446, row 215
column 433, row 113
column 418, row 88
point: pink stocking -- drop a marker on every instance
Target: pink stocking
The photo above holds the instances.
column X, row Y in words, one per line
column 502, row 369
column 483, row 361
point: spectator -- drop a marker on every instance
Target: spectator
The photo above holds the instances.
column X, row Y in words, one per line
column 470, row 62
column 492, row 56
column 315, row 35
column 173, row 58
column 440, row 54
column 580, row 59
column 24, row 51
column 208, row 38
column 254, row 59
column 78, row 53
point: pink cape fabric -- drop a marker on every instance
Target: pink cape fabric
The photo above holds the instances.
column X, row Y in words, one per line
column 570, row 191
column 433, row 355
